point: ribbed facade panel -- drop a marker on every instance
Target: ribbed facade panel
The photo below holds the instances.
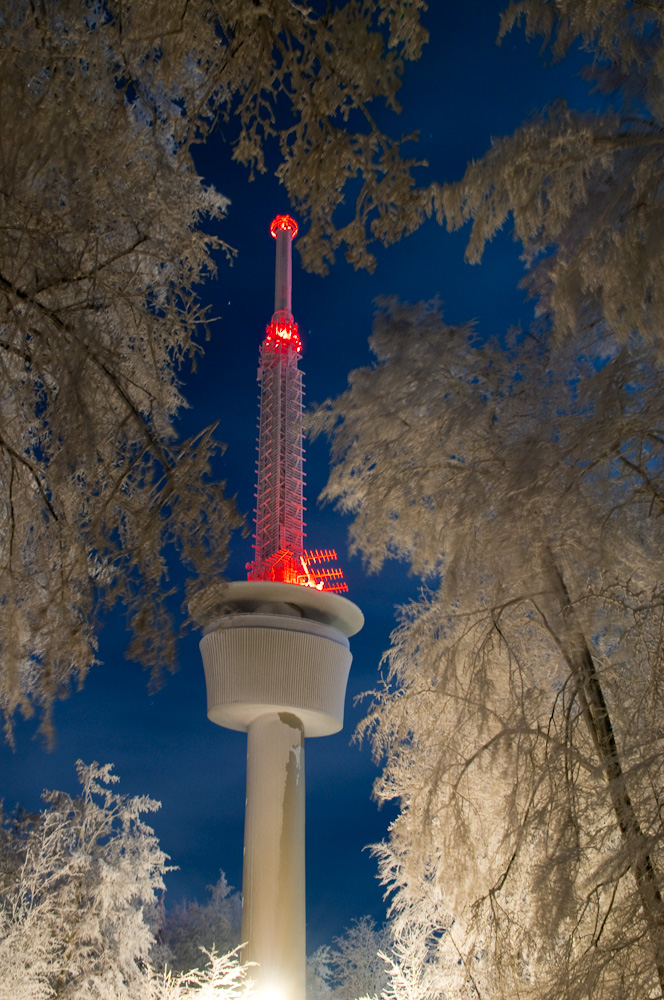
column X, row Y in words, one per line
column 252, row 670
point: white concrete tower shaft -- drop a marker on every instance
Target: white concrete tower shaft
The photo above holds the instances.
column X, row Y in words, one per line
column 273, row 879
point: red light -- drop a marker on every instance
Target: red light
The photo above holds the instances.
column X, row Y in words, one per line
column 286, row 566
column 286, row 222
column 283, row 335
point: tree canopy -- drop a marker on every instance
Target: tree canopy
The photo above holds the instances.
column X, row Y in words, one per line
column 518, row 717
column 582, row 189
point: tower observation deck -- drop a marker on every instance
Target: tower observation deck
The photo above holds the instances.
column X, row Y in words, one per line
column 276, row 656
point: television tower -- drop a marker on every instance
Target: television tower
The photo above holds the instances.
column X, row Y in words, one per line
column 277, row 657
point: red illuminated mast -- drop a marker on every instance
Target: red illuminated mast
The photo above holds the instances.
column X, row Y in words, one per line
column 279, row 553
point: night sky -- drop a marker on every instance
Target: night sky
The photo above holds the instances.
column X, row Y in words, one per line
column 464, row 91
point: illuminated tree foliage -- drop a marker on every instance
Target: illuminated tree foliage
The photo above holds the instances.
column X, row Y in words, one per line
column 583, row 190
column 102, row 246
column 188, row 927
column 81, row 914
column 519, row 719
column 221, row 977
column 353, row 966
column 78, row 894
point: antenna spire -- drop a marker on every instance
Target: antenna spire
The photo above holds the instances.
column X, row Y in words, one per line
column 284, row 231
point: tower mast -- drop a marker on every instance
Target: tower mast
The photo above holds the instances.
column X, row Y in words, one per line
column 279, row 553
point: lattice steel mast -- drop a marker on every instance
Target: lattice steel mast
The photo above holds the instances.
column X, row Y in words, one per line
column 279, row 553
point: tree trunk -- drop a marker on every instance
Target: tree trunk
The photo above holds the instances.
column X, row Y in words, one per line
column 598, row 721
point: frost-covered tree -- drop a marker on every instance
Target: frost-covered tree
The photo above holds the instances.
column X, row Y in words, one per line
column 188, row 927
column 354, row 966
column 81, row 907
column 79, row 886
column 366, row 962
column 583, row 189
column 220, row 977
column 102, row 247
column 519, row 720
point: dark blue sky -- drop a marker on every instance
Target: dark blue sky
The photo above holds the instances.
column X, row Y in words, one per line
column 464, row 91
